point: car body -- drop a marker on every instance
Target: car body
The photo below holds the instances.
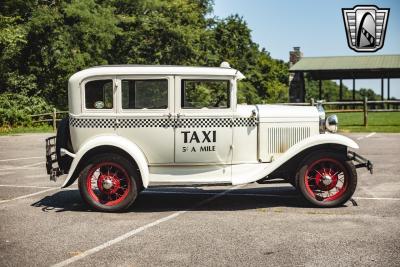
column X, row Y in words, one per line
column 182, row 125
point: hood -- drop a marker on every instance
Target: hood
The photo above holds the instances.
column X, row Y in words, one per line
column 282, row 113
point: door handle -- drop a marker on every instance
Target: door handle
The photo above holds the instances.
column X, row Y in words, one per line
column 169, row 115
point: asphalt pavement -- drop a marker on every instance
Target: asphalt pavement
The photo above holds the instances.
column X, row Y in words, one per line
column 250, row 225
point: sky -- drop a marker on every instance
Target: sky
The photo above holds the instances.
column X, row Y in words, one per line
column 316, row 26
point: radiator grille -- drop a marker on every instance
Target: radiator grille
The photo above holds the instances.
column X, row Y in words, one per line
column 281, row 139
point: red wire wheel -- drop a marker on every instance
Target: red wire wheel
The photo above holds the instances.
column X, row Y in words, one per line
column 108, row 183
column 327, row 179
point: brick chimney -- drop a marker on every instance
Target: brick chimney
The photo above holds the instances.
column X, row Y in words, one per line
column 295, row 55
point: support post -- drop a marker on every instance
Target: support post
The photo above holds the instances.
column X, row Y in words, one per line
column 312, row 102
column 341, row 93
column 388, row 91
column 54, row 119
column 365, row 110
column 354, row 89
column 382, row 92
column 320, row 89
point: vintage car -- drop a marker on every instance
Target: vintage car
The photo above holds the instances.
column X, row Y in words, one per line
column 133, row 126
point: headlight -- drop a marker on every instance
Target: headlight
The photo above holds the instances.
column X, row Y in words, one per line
column 332, row 123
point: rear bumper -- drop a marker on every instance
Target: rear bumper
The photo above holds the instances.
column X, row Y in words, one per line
column 362, row 162
column 51, row 159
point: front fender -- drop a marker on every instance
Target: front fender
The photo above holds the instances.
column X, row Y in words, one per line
column 309, row 142
column 111, row 140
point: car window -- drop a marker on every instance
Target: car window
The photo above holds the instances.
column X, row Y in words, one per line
column 99, row 94
column 205, row 94
column 145, row 94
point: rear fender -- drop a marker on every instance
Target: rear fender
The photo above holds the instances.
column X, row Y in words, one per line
column 109, row 140
column 312, row 141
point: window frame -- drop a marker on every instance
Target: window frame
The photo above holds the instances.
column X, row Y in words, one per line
column 83, row 95
column 210, row 111
column 170, row 92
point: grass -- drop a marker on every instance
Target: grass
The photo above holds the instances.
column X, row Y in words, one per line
column 26, row 129
column 383, row 122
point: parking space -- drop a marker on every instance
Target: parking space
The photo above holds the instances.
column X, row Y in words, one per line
column 254, row 224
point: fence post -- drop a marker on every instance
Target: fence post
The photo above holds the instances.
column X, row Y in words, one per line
column 54, row 119
column 365, row 109
column 312, row 102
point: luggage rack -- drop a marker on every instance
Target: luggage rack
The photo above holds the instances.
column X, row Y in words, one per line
column 51, row 158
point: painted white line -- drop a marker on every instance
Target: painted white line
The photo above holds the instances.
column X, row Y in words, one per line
column 367, row 136
column 25, row 186
column 378, row 198
column 22, row 167
column 37, row 176
column 26, row 196
column 138, row 230
column 22, row 158
column 370, row 135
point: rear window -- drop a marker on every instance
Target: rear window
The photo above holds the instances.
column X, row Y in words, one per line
column 145, row 94
column 99, row 94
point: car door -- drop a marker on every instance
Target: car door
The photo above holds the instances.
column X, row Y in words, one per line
column 203, row 127
column 145, row 115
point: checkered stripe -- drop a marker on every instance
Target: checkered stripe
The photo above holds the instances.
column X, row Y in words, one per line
column 91, row 123
column 145, row 123
column 203, row 123
column 244, row 122
column 164, row 123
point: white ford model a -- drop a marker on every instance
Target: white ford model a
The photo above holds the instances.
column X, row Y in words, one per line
column 130, row 127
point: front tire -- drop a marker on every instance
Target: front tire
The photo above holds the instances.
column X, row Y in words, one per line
column 108, row 183
column 326, row 179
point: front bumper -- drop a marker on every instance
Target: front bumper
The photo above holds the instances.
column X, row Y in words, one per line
column 362, row 162
column 51, row 159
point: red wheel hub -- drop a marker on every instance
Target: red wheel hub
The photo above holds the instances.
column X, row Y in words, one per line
column 326, row 179
column 108, row 183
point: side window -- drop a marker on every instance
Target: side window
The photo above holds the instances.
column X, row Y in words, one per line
column 205, row 94
column 145, row 94
column 99, row 94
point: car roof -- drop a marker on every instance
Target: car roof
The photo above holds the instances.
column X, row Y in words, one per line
column 153, row 70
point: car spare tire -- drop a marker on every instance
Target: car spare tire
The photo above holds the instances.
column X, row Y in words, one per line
column 63, row 141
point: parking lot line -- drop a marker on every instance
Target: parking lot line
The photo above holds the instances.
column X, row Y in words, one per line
column 367, row 136
column 29, row 195
column 138, row 230
column 378, row 198
column 21, row 158
column 25, row 186
column 23, row 167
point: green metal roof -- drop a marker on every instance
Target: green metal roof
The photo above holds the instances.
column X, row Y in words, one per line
column 375, row 62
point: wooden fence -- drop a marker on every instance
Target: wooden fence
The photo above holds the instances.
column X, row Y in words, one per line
column 53, row 117
column 363, row 106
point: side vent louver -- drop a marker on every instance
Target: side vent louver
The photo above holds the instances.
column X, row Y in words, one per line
column 281, row 139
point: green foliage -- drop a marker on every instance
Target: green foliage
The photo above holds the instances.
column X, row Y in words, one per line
column 16, row 108
column 42, row 43
column 330, row 91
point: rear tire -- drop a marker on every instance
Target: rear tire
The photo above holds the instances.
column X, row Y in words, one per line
column 109, row 183
column 326, row 179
